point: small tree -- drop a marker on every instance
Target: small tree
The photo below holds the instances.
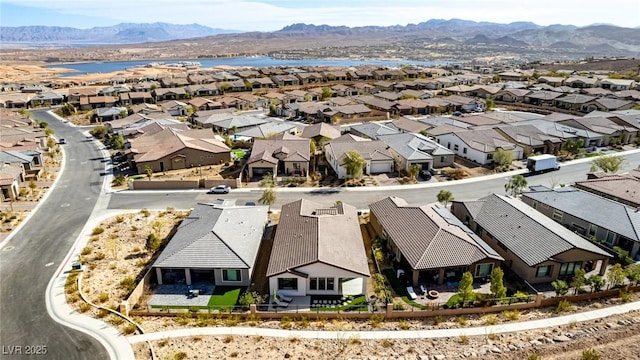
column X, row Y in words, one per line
column 465, row 289
column 616, row 275
column 149, row 171
column 490, row 104
column 327, row 93
column 153, row 242
column 498, row 290
column 578, row 280
column 445, row 197
column 608, row 163
column 560, row 287
column 596, row 282
column 250, row 298
column 573, row 146
column 516, row 184
column 268, row 196
column 354, row 163
column 633, row 273
column 503, row 157
column 32, row 186
column 414, row 170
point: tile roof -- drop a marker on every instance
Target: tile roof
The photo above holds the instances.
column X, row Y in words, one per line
column 267, row 129
column 623, row 187
column 373, row 130
column 309, row 232
column 295, row 148
column 216, row 236
column 414, row 146
column 611, row 215
column 429, row 236
column 146, row 148
column 370, row 150
column 409, row 125
column 527, row 233
column 321, row 129
column 487, row 140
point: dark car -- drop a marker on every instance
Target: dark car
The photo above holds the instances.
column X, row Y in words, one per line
column 457, row 113
column 425, row 174
column 62, row 141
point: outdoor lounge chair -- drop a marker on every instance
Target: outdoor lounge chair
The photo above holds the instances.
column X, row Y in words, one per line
column 284, row 297
column 411, row 293
column 280, row 303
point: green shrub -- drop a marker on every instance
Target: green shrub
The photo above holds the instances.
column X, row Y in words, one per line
column 97, row 231
column 491, row 320
column 404, row 325
column 129, row 329
column 462, row 320
column 463, row 340
column 128, row 284
column 375, row 320
column 99, row 256
column 145, row 212
column 590, row 354
column 437, row 320
column 153, row 242
column 180, row 355
column 563, row 306
column 285, row 322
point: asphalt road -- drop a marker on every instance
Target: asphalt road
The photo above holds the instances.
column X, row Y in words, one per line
column 465, row 190
column 30, row 259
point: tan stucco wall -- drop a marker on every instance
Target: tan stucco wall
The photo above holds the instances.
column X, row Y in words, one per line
column 192, row 158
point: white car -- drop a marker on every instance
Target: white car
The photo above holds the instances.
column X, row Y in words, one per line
column 220, row 189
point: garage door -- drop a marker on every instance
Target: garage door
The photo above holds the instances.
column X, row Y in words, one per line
column 378, row 167
column 258, row 171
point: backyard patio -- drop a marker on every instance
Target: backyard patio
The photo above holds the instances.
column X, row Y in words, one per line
column 180, row 296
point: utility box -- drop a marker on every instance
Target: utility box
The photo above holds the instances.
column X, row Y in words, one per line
column 76, row 265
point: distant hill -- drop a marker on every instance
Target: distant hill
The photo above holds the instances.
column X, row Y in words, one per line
column 126, row 33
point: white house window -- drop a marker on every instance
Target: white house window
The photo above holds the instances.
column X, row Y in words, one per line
column 483, row 270
column 231, row 275
column 544, row 271
column 592, row 230
column 557, row 215
column 321, row 283
column 287, row 284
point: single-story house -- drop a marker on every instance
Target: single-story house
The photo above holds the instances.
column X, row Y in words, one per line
column 409, row 149
column 531, row 139
column 282, row 154
column 215, row 243
column 318, row 250
column 161, row 94
column 133, row 98
column 375, row 153
column 170, row 149
column 622, row 188
column 431, row 241
column 617, row 84
column 589, row 215
column 535, row 247
column 175, row 108
column 268, row 129
column 371, row 130
column 479, row 145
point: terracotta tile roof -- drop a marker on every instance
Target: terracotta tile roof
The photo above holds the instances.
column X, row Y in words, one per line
column 146, row 148
column 291, row 145
column 309, row 232
column 429, row 236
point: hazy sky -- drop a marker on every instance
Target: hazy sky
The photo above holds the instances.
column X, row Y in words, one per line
column 268, row 15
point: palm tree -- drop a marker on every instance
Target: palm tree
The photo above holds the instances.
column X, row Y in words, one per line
column 268, row 197
column 445, row 197
column 516, row 184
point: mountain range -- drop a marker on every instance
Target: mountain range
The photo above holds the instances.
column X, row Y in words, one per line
column 126, row 33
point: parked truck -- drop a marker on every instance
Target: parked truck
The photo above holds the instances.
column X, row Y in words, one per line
column 542, row 163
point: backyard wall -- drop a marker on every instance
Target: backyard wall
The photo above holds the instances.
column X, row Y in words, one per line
column 182, row 184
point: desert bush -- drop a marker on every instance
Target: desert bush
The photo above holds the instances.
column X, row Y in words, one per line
column 462, row 320
column 99, row 256
column 511, row 314
column 563, row 306
column 403, row 324
column 491, row 320
column 145, row 212
column 103, row 297
column 129, row 329
column 180, row 355
column 590, row 354
column 387, row 343
column 437, row 320
column 227, row 339
column 153, row 242
column 86, row 250
column 84, row 307
column 97, row 231
column 463, row 340
column 375, row 320
column 128, row 283
column 285, row 322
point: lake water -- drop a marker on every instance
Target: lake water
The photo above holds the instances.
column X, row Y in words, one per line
column 262, row 61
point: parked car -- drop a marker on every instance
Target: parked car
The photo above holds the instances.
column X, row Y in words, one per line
column 62, row 141
column 250, row 203
column 457, row 113
column 425, row 174
column 220, row 189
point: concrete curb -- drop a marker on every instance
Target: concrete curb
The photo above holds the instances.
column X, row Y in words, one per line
column 399, row 334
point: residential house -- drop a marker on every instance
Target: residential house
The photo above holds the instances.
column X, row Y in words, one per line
column 534, row 247
column 371, row 130
column 512, row 95
column 46, row 99
column 434, row 244
column 215, row 244
column 375, row 153
column 14, row 100
column 590, row 215
column 336, row 75
column 175, row 108
column 554, row 81
column 75, row 94
column 161, row 94
column 145, row 109
column 580, row 82
column 564, row 131
column 114, row 90
column 202, row 90
column 376, row 103
column 617, row 84
column 410, row 149
column 11, row 176
column 613, row 133
column 462, row 103
column 622, row 188
column 231, row 123
column 200, row 104
column 285, row 80
column 284, row 154
column 31, row 161
column 309, row 77
column 318, row 250
column 531, row 139
column 404, row 124
column 542, row 97
column 171, row 149
column 607, row 104
column 111, row 113
column 268, row 130
column 96, row 102
column 479, row 145
column 133, row 98
column 573, row 102
column 321, row 132
column 174, row 81
column 261, row 83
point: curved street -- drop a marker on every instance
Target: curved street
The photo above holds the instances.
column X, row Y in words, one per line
column 31, row 257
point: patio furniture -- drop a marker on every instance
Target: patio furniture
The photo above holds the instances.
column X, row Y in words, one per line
column 433, row 294
column 423, row 289
column 280, row 303
column 284, row 297
column 411, row 293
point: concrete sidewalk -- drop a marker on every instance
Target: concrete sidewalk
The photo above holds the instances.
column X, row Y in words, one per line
column 394, row 334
